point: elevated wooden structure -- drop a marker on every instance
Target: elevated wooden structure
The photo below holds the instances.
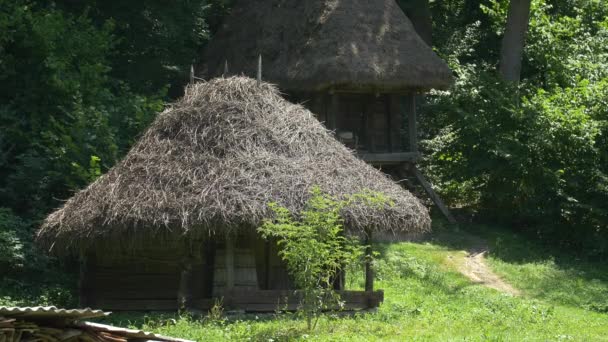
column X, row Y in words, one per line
column 359, row 65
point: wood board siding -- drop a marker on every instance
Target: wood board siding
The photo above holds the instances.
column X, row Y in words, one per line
column 368, row 123
column 243, row 273
column 143, row 278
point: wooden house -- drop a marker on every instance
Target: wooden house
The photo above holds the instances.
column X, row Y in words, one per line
column 357, row 64
column 174, row 223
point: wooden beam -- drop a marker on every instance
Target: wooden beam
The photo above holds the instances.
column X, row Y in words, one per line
column 389, row 158
column 332, row 111
column 389, row 122
column 259, row 69
column 433, row 195
column 209, row 267
column 229, row 259
column 266, row 264
column 271, row 300
column 82, row 280
column 369, row 272
column 184, row 291
column 411, row 122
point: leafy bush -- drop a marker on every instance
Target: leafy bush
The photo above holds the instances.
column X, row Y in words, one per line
column 60, row 109
column 13, row 244
column 315, row 247
column 29, row 278
column 533, row 155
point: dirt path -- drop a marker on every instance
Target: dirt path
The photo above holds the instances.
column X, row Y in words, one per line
column 472, row 263
column 476, row 269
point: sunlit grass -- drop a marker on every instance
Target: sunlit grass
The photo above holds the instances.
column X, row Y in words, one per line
column 426, row 298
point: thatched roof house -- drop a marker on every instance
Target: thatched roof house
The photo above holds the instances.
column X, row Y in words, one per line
column 356, row 64
column 356, row 45
column 204, row 172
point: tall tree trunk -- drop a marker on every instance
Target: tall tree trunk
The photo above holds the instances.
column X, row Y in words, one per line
column 514, row 39
column 419, row 13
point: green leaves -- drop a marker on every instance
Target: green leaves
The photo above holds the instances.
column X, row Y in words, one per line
column 315, row 246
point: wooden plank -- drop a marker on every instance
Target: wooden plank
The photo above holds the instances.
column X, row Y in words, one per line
column 369, row 272
column 389, row 158
column 229, row 262
column 85, row 266
column 396, row 122
column 147, row 279
column 142, row 293
column 268, row 301
column 137, row 305
column 433, row 195
column 389, row 122
column 184, row 292
column 332, row 111
column 411, row 122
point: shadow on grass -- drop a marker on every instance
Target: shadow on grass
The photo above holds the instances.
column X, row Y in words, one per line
column 541, row 271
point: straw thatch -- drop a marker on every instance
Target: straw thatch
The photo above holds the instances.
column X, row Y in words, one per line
column 214, row 160
column 313, row 45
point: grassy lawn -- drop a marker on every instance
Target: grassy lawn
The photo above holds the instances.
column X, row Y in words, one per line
column 427, row 299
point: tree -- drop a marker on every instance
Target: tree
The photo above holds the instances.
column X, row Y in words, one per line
column 514, row 39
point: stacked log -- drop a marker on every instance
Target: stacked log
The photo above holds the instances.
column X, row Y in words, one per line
column 56, row 325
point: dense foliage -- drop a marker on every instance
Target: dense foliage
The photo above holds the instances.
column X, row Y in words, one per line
column 533, row 155
column 79, row 81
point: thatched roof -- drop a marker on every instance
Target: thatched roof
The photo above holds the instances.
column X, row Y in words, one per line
column 213, row 162
column 319, row 44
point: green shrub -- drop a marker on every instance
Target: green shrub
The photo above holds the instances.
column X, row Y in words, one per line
column 315, row 247
column 13, row 241
column 534, row 155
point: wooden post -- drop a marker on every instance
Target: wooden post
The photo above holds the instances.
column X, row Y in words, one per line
column 82, row 280
column 411, row 122
column 259, row 69
column 209, row 267
column 266, row 265
column 191, row 73
column 389, row 122
column 369, row 272
column 332, row 111
column 225, row 68
column 184, row 292
column 429, row 190
column 229, row 259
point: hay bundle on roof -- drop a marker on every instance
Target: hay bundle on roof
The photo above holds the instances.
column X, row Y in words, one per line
column 313, row 45
column 214, row 160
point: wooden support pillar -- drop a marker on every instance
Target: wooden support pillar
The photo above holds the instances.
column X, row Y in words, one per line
column 369, row 272
column 389, row 122
column 209, row 267
column 82, row 280
column 184, row 292
column 229, row 259
column 266, row 265
column 332, row 111
column 411, row 122
column 433, row 195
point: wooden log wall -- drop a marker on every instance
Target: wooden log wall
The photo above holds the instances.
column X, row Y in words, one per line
column 377, row 121
column 240, row 254
column 146, row 278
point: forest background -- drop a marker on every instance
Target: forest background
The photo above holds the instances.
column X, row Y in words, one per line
column 81, row 80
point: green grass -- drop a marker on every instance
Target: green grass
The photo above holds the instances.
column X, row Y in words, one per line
column 427, row 299
column 546, row 274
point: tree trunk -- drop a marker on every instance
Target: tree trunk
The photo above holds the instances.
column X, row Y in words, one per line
column 514, row 39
